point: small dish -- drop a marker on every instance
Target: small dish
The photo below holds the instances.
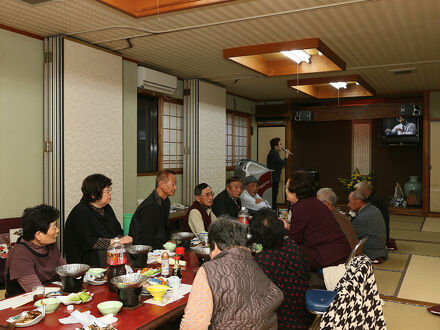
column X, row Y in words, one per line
column 35, row 320
column 51, row 304
column 169, row 246
column 110, row 307
column 157, row 291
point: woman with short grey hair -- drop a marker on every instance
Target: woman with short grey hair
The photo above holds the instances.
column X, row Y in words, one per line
column 231, row 291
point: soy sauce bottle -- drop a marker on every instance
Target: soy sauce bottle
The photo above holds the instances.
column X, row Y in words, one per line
column 116, row 260
column 176, row 270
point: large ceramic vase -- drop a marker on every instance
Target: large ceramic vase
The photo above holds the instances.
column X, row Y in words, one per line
column 413, row 191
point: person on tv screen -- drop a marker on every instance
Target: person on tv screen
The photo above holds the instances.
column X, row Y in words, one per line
column 402, row 128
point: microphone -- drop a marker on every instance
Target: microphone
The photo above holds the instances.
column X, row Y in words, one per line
column 284, row 149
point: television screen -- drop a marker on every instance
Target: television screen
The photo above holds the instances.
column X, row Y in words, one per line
column 400, row 130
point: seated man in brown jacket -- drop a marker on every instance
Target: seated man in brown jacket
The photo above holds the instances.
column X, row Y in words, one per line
column 231, row 291
column 329, row 198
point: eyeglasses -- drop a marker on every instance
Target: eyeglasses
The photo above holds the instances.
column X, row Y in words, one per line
column 208, row 194
column 108, row 190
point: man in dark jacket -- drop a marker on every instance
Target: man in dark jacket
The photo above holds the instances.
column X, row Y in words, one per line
column 275, row 163
column 149, row 225
column 369, row 222
column 375, row 200
column 228, row 201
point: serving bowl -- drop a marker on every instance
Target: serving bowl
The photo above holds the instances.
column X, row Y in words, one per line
column 110, row 307
column 50, row 304
column 72, row 276
column 157, row 291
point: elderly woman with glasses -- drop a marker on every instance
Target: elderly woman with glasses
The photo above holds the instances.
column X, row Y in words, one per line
column 199, row 216
column 92, row 224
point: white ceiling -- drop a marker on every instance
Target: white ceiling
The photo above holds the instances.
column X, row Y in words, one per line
column 372, row 36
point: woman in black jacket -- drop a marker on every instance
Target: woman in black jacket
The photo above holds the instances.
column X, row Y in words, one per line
column 92, row 224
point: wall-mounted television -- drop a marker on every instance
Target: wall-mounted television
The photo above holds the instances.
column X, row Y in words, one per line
column 401, row 130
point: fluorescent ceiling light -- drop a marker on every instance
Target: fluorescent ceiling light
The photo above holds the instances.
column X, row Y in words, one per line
column 297, row 55
column 339, row 84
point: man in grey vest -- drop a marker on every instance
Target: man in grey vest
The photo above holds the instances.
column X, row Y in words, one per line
column 231, row 291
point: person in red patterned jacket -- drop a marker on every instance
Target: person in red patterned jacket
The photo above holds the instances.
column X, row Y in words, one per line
column 283, row 262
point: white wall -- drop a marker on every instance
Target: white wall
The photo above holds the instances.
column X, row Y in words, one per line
column 92, row 120
column 212, row 135
column 21, row 123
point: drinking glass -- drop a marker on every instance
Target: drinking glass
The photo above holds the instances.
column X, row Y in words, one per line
column 38, row 292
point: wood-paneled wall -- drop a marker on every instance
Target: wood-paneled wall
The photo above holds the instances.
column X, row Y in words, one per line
column 325, row 145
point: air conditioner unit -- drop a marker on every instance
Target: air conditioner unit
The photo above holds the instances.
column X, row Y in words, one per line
column 156, row 81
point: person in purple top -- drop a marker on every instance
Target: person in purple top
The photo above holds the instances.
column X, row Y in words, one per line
column 313, row 226
column 33, row 259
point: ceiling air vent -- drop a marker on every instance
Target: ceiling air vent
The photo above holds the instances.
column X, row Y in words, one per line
column 402, row 71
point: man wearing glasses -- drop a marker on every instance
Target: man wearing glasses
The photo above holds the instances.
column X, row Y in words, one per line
column 250, row 198
column 199, row 215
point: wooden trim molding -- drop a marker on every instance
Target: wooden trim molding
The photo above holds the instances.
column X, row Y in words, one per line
column 25, row 33
column 267, row 59
column 143, row 8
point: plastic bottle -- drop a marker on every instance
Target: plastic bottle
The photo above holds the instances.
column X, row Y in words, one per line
column 116, row 260
column 243, row 216
column 165, row 264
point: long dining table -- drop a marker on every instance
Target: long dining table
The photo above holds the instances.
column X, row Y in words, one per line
column 146, row 316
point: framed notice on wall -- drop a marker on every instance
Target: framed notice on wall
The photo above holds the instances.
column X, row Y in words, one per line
column 361, row 146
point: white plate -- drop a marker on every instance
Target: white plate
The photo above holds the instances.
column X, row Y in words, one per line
column 155, row 273
column 65, row 299
column 27, row 324
column 92, row 282
column 158, row 253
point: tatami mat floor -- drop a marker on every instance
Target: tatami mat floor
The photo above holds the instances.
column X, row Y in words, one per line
column 408, row 280
column 432, row 225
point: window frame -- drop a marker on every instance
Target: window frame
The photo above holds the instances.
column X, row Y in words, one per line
column 248, row 117
column 160, row 129
column 160, row 100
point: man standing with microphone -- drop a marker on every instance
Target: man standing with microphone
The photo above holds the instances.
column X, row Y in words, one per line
column 275, row 163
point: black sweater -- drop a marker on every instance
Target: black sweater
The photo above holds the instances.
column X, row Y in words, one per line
column 149, row 225
column 83, row 228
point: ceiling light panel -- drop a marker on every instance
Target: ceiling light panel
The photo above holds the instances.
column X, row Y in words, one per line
column 288, row 57
column 333, row 87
